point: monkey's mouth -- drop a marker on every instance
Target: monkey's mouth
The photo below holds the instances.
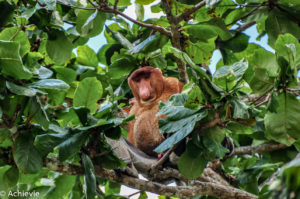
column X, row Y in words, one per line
column 147, row 101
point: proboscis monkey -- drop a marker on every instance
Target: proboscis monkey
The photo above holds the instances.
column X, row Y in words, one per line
column 149, row 86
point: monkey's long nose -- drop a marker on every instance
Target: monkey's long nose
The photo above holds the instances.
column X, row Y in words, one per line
column 145, row 94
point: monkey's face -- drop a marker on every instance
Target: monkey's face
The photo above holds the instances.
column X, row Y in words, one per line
column 146, row 84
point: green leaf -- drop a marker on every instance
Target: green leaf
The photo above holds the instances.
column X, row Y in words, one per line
column 45, row 143
column 278, row 23
column 200, row 52
column 25, row 154
column 240, row 109
column 238, row 128
column 121, row 3
column 120, row 38
column 17, row 35
column 71, row 145
column 90, row 23
column 211, row 29
column 88, row 92
column 192, row 163
column 67, row 75
column 283, row 126
column 141, row 46
column 214, row 147
column 262, row 70
column 47, row 4
column 120, row 68
column 11, row 177
column 224, row 78
column 62, row 188
column 36, row 112
column 195, row 96
column 86, row 56
column 53, row 84
column 144, row 2
column 59, row 47
column 227, row 77
column 112, row 188
column 11, row 61
column 89, row 177
column 288, row 47
column 43, row 72
column 21, row 90
column 139, row 11
column 186, row 59
column 179, row 120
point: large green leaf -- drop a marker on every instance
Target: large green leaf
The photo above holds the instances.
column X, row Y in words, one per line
column 192, row 163
column 67, row 75
column 36, row 112
column 63, row 185
column 53, row 84
column 86, row 56
column 200, row 52
column 120, row 68
column 179, row 120
column 208, row 30
column 89, row 177
column 186, row 59
column 262, row 70
column 59, row 47
column 45, row 143
column 71, row 145
column 17, row 35
column 11, row 62
column 25, row 154
column 227, row 77
column 11, row 177
column 46, row 4
column 90, row 23
column 288, row 47
column 21, row 90
column 278, row 23
column 283, row 125
column 88, row 92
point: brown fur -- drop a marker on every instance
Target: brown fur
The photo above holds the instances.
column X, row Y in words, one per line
column 150, row 85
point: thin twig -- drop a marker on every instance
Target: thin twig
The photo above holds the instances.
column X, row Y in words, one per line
column 245, row 26
column 159, row 163
column 116, row 4
column 263, row 95
column 154, row 27
column 248, row 14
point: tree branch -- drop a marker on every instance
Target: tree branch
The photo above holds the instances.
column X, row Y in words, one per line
column 257, row 149
column 245, row 26
column 190, row 11
column 176, row 41
column 202, row 188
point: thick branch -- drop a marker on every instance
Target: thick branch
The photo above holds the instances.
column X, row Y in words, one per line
column 257, row 149
column 202, row 188
column 176, row 41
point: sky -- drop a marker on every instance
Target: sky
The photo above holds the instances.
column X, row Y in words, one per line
column 97, row 42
